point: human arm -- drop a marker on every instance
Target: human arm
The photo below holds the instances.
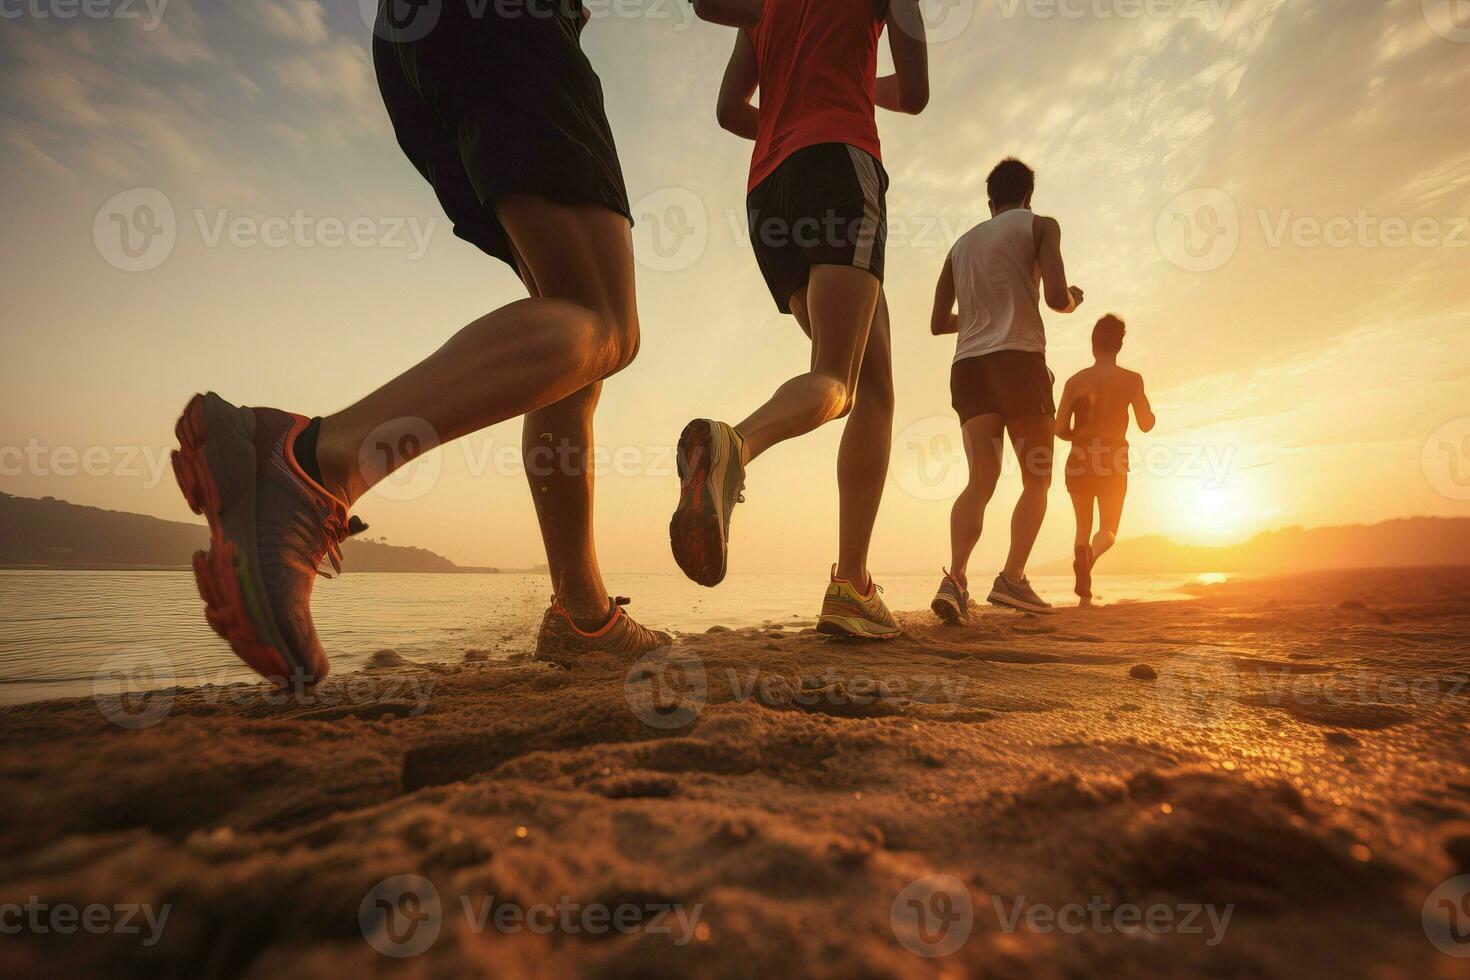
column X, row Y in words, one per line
column 1065, row 410
column 730, row 13
column 1142, row 410
column 734, row 111
column 907, row 89
column 944, row 320
column 1060, row 296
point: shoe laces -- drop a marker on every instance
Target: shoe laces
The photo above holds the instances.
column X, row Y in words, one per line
column 335, row 530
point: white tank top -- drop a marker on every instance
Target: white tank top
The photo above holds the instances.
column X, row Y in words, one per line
column 998, row 283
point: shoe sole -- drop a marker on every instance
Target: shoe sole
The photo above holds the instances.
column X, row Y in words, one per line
column 852, row 628
column 946, row 610
column 1001, row 599
column 697, row 530
column 215, row 468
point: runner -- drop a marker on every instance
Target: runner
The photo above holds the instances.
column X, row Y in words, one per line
column 502, row 113
column 1094, row 418
column 1000, row 385
column 818, row 224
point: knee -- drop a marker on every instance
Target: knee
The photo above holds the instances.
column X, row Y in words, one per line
column 621, row 337
column 838, row 397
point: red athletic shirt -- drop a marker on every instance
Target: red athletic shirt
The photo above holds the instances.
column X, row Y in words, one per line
column 818, row 60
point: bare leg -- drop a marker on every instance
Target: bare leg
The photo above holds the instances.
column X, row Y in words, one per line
column 1110, row 513
column 983, row 436
column 1033, row 439
column 1082, row 504
column 862, row 459
column 841, row 302
column 522, row 357
column 556, row 451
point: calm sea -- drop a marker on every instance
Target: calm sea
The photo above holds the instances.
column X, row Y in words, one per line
column 58, row 630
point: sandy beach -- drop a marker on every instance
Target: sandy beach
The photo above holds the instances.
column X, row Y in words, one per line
column 1268, row 780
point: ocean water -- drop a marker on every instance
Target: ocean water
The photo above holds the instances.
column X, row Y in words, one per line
column 61, row 630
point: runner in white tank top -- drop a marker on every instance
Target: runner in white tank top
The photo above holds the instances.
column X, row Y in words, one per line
column 999, row 272
column 997, row 281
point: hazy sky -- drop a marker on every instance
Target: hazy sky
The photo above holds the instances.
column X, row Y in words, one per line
column 1300, row 312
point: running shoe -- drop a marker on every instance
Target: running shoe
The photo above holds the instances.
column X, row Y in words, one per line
column 1018, row 595
column 846, row 612
column 952, row 601
column 713, row 480
column 270, row 528
column 561, row 641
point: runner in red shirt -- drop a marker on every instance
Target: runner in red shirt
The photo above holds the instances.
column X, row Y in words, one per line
column 818, row 224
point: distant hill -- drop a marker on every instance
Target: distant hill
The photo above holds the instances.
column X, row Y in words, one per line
column 55, row 534
column 1409, row 542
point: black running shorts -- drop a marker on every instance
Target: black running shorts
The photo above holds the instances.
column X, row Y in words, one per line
column 1014, row 384
column 492, row 98
column 824, row 205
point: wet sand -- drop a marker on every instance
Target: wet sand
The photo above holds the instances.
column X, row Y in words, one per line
column 1289, row 757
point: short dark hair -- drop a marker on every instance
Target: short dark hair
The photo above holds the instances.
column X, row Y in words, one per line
column 1107, row 336
column 1011, row 182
